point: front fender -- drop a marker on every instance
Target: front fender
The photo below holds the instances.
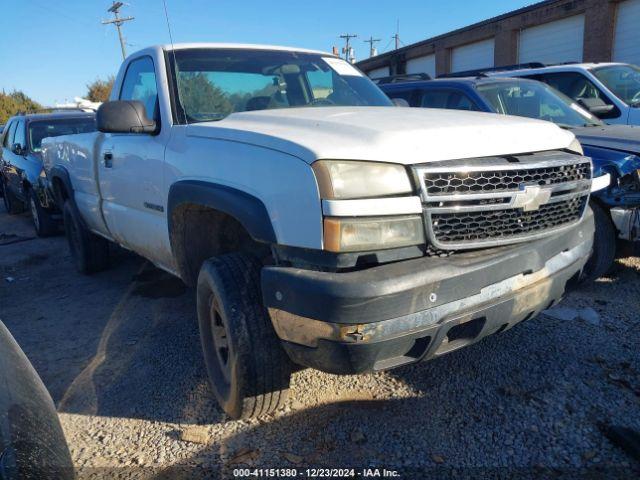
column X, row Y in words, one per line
column 624, row 188
column 245, row 208
column 612, row 161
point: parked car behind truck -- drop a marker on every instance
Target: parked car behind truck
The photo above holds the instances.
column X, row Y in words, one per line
column 21, row 173
column 611, row 91
column 321, row 225
column 614, row 149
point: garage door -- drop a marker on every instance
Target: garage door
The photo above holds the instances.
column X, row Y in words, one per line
column 472, row 56
column 626, row 47
column 422, row 65
column 379, row 72
column 554, row 42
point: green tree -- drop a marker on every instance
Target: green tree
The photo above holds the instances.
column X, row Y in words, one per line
column 201, row 99
column 99, row 90
column 15, row 102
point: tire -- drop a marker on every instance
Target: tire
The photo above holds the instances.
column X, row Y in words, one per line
column 248, row 369
column 90, row 252
column 604, row 246
column 12, row 205
column 44, row 225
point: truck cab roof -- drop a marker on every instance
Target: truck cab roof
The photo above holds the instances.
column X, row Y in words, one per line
column 226, row 46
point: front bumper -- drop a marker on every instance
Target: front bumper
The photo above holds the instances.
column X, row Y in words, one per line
column 414, row 310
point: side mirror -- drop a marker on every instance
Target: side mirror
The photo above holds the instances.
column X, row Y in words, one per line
column 124, row 116
column 400, row 102
column 17, row 149
column 595, row 106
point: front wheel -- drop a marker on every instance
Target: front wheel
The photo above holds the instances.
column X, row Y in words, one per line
column 604, row 245
column 43, row 223
column 248, row 369
column 11, row 202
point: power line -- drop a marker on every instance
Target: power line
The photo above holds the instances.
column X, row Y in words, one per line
column 372, row 49
column 57, row 12
column 118, row 21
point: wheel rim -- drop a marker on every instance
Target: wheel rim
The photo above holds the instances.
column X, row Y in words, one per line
column 220, row 338
column 34, row 212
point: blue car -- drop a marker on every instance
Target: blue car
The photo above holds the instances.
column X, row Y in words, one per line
column 615, row 149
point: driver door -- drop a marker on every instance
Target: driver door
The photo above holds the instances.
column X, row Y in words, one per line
column 130, row 170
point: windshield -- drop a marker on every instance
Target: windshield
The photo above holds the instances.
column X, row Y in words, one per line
column 623, row 80
column 41, row 129
column 535, row 100
column 212, row 84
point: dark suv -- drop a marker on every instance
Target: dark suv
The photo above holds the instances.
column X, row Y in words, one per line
column 21, row 170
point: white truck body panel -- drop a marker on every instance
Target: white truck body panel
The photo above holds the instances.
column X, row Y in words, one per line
column 396, row 135
column 266, row 154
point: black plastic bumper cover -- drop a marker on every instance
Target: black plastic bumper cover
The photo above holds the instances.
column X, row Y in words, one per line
column 360, row 306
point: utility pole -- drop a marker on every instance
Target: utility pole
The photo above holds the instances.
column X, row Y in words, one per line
column 396, row 37
column 118, row 21
column 347, row 48
column 372, row 49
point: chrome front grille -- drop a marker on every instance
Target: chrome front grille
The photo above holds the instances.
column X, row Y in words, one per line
column 441, row 183
column 500, row 200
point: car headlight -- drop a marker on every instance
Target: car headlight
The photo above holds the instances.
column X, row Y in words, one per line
column 576, row 147
column 361, row 234
column 346, row 179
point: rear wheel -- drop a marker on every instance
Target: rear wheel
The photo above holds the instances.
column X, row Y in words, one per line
column 11, row 203
column 248, row 369
column 42, row 221
column 604, row 245
column 89, row 251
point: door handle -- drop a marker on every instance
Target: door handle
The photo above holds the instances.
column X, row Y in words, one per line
column 108, row 159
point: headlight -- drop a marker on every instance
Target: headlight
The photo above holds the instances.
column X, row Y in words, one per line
column 576, row 147
column 361, row 234
column 339, row 180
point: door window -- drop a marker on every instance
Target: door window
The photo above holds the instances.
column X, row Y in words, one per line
column 140, row 84
column 8, row 138
column 449, row 99
column 577, row 86
column 407, row 95
column 20, row 136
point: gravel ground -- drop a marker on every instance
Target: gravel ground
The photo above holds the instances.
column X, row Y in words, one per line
column 120, row 354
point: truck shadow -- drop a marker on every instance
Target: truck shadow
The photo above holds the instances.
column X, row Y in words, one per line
column 147, row 363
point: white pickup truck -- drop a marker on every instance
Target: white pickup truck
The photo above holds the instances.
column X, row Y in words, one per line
column 321, row 225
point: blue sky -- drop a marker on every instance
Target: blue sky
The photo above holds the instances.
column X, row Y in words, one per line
column 52, row 49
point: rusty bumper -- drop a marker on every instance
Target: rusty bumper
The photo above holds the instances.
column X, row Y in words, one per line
column 397, row 314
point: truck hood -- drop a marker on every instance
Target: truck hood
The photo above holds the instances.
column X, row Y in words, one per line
column 390, row 134
column 625, row 138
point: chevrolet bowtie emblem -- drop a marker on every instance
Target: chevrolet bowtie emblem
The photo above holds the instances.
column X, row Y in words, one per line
column 531, row 198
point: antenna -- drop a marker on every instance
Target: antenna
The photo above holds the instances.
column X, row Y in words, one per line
column 173, row 54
